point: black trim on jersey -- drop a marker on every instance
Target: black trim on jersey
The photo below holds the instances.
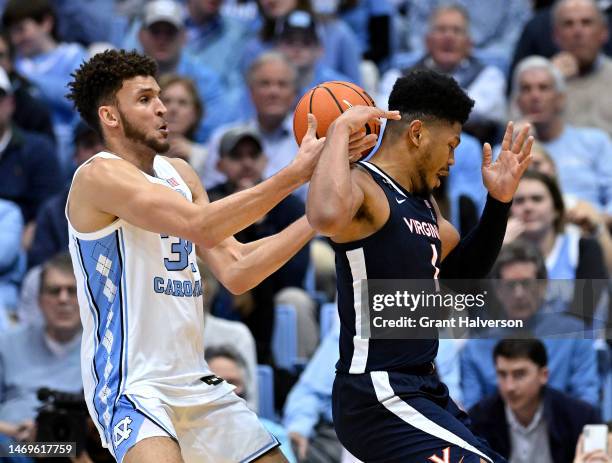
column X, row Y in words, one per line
column 122, row 353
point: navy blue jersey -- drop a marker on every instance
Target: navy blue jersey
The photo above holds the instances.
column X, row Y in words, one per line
column 407, row 246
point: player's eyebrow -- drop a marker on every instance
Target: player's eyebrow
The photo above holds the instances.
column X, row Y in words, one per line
column 457, row 139
column 147, row 90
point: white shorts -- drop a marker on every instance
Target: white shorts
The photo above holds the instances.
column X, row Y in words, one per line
column 221, row 431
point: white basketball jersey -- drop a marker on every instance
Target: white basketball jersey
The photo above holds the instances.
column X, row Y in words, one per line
column 140, row 298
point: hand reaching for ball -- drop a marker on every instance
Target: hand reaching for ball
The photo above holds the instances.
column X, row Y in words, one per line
column 309, row 152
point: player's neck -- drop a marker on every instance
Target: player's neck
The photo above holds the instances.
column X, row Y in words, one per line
column 400, row 168
column 141, row 156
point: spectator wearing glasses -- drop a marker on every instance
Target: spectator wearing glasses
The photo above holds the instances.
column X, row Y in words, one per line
column 572, row 361
column 46, row 355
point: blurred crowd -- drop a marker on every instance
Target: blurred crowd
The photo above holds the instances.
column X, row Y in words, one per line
column 231, row 73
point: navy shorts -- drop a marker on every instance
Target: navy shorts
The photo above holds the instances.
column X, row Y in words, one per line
column 391, row 417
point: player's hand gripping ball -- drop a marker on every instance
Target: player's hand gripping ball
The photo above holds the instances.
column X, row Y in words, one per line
column 327, row 101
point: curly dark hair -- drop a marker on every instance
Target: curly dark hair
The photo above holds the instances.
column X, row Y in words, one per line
column 426, row 94
column 98, row 80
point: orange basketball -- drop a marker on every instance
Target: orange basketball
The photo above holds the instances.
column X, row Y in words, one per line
column 327, row 101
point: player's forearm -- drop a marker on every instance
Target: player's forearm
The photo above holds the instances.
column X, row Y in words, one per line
column 260, row 259
column 225, row 217
column 330, row 192
column 475, row 254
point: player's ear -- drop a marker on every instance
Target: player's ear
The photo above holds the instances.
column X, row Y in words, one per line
column 414, row 133
column 107, row 116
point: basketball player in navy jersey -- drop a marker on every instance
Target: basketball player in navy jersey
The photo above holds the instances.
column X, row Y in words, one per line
column 134, row 217
column 388, row 405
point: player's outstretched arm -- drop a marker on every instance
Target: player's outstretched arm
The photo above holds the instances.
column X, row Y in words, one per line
column 116, row 188
column 240, row 267
column 334, row 196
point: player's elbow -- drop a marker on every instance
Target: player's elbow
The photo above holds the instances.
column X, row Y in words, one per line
column 235, row 283
column 325, row 220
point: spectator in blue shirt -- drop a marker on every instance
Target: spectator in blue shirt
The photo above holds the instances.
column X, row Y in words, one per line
column 162, row 36
column 308, row 410
column 47, row 63
column 522, row 285
column 42, row 356
column 583, row 155
column 11, row 258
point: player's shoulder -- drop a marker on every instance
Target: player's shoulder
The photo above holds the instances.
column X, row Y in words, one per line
column 99, row 169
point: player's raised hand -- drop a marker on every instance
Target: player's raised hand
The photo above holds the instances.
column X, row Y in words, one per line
column 356, row 117
column 310, row 150
column 501, row 178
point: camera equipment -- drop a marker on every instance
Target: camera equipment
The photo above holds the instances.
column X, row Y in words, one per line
column 62, row 418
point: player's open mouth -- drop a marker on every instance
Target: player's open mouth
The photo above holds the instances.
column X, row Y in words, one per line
column 164, row 129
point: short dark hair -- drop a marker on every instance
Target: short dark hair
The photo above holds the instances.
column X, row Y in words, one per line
column 520, row 251
column 16, row 11
column 532, row 349
column 61, row 262
column 98, row 80
column 426, row 94
column 555, row 192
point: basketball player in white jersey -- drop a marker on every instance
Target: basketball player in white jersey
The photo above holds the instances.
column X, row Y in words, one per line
column 135, row 220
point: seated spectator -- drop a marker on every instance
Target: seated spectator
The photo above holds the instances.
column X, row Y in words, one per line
column 521, row 290
column 539, row 207
column 51, row 234
column 272, row 82
column 47, row 63
column 307, row 415
column 28, row 165
column 31, row 112
column 341, row 50
column 449, row 51
column 225, row 363
column 162, row 36
column 495, row 28
column 592, row 223
column 581, row 30
column 184, row 113
column 243, row 162
column 12, row 260
column 299, row 41
column 527, row 420
column 537, row 37
column 583, row 156
column 51, row 352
